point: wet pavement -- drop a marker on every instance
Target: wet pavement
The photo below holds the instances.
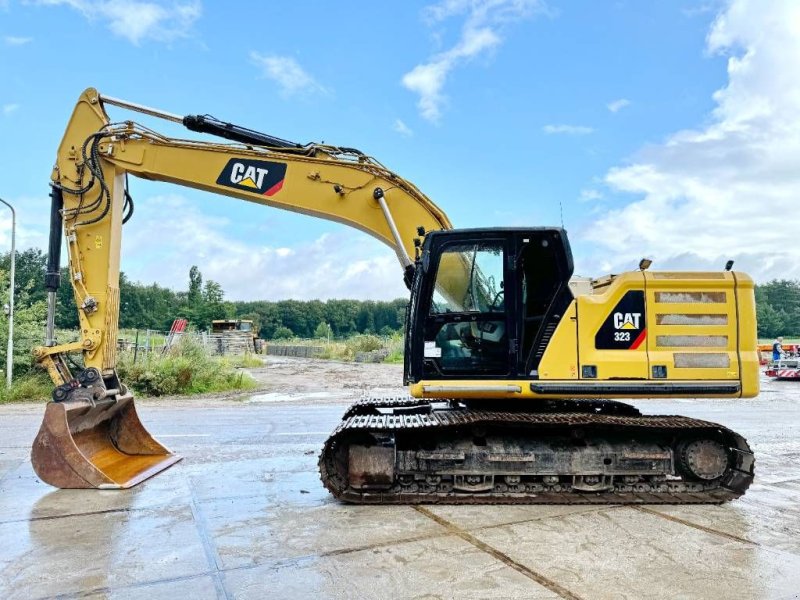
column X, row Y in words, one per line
column 245, row 516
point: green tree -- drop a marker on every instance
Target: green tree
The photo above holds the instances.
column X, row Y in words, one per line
column 341, row 314
column 66, row 309
column 778, row 308
column 29, row 322
column 283, row 333
column 323, row 331
column 214, row 305
column 365, row 317
column 195, row 285
column 30, row 266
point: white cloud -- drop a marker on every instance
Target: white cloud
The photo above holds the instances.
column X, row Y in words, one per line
column 139, row 20
column 31, row 230
column 287, row 73
column 480, row 33
column 567, row 129
column 402, row 128
column 14, row 40
column 344, row 264
column 728, row 189
column 694, row 11
column 618, row 105
column 589, row 195
column 9, row 108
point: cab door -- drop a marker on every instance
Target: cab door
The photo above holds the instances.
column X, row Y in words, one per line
column 467, row 328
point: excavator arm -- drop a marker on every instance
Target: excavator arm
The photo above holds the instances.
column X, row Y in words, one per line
column 90, row 203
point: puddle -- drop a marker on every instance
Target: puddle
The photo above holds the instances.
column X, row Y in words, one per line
column 293, row 397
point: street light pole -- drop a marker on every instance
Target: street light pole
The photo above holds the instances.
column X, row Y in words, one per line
column 10, row 350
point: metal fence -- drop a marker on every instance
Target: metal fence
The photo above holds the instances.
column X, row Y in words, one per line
column 228, row 342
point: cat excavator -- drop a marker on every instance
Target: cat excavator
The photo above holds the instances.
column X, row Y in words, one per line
column 514, row 374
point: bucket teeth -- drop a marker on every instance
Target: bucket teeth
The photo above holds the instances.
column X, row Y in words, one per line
column 83, row 444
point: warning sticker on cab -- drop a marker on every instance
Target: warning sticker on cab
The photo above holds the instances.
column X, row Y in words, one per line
column 432, row 350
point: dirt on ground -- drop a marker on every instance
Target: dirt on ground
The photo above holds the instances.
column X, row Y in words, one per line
column 281, row 374
column 305, row 381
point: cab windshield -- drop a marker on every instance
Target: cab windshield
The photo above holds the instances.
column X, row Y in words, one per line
column 469, row 279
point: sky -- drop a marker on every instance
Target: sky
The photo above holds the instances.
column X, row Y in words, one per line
column 668, row 129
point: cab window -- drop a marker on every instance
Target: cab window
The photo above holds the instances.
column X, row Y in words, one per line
column 466, row 324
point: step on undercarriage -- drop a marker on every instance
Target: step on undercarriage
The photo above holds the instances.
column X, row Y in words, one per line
column 408, row 451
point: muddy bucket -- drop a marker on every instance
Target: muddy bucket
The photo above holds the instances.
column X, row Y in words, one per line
column 101, row 445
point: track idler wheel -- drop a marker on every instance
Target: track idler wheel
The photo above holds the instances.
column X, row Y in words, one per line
column 703, row 459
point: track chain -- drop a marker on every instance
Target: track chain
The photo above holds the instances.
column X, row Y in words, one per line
column 364, row 416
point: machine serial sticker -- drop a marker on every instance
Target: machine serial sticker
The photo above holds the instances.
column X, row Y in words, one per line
column 624, row 328
column 256, row 176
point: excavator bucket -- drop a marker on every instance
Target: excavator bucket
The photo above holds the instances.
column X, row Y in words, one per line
column 83, row 444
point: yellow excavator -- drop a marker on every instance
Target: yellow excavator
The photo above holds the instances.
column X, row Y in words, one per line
column 513, row 370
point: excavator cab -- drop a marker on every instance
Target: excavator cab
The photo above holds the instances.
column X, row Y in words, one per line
column 486, row 302
column 493, row 316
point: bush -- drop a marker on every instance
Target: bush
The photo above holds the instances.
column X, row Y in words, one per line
column 283, row 333
column 364, row 343
column 186, row 369
column 34, row 386
column 323, row 331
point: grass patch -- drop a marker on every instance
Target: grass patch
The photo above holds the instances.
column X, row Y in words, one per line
column 31, row 387
column 244, row 361
column 186, row 369
column 347, row 349
column 395, row 358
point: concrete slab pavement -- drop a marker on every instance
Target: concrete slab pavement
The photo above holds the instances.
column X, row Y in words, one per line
column 245, row 516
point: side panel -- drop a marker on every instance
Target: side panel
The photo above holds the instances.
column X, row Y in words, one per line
column 611, row 330
column 560, row 360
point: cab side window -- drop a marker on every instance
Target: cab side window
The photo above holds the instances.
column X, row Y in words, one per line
column 466, row 329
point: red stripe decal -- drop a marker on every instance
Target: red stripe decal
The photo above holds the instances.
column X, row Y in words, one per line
column 274, row 189
column 638, row 341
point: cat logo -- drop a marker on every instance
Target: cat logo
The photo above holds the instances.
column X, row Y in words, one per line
column 625, row 327
column 627, row 320
column 256, row 176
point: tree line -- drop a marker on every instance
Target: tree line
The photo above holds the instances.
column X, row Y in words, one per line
column 152, row 306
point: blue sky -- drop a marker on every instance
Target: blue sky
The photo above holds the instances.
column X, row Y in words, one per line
column 663, row 128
